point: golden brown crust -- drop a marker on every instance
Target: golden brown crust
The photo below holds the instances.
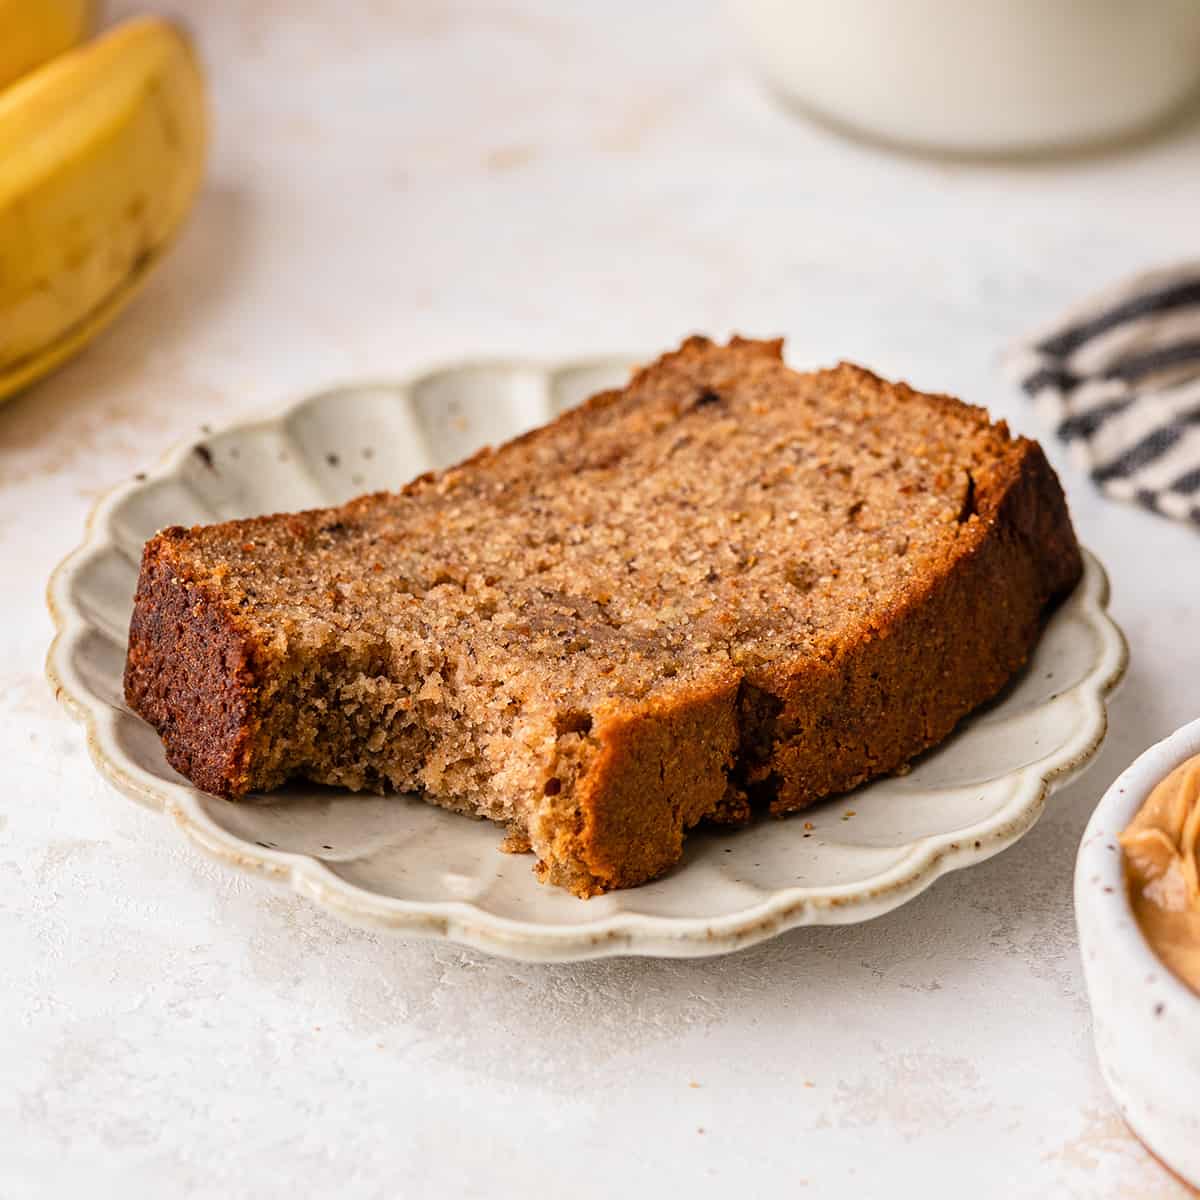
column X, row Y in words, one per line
column 908, row 680
column 659, row 772
column 614, row 791
column 819, row 727
column 204, row 706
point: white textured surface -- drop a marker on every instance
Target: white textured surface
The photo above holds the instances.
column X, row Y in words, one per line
column 409, row 182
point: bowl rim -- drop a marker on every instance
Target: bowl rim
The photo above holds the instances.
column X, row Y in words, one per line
column 1101, row 892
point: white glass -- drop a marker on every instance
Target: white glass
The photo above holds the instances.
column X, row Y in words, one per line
column 980, row 76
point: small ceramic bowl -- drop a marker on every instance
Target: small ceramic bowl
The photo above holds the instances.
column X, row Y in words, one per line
column 1146, row 1022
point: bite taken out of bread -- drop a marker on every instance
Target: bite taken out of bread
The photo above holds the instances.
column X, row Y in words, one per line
column 727, row 586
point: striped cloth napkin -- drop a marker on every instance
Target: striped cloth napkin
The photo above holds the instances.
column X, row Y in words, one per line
column 1119, row 380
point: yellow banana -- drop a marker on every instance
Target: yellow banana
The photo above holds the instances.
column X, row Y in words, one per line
column 34, row 31
column 101, row 154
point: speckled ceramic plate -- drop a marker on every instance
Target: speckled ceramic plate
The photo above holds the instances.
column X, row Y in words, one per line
column 395, row 862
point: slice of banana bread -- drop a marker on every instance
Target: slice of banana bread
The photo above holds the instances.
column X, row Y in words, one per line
column 727, row 584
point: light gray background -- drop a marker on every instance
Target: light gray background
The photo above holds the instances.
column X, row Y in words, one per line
column 395, row 184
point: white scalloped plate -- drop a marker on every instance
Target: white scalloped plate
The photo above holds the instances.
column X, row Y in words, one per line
column 398, row 863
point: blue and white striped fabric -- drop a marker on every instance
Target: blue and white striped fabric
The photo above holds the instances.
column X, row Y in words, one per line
column 1119, row 381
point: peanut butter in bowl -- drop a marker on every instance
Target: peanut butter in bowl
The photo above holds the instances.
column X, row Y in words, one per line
column 1160, row 849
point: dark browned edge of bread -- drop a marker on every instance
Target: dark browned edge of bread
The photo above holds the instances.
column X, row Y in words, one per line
column 806, row 730
column 831, row 725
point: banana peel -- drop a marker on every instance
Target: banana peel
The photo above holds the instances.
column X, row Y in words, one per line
column 101, row 156
column 35, row 31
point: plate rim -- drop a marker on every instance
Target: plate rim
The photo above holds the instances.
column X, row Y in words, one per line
column 462, row 922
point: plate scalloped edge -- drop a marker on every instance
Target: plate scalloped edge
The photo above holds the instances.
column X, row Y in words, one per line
column 622, row 933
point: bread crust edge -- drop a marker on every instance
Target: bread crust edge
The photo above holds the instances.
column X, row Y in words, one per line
column 897, row 689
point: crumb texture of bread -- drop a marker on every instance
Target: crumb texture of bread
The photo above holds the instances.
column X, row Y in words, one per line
column 727, row 587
